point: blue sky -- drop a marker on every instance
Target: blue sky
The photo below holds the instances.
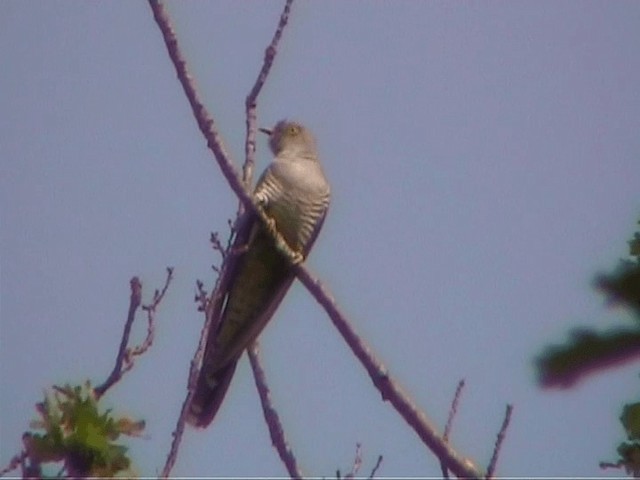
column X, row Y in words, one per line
column 484, row 166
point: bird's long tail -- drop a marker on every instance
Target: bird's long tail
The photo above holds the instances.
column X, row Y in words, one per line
column 210, row 392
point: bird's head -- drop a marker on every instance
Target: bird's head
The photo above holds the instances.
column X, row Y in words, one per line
column 291, row 137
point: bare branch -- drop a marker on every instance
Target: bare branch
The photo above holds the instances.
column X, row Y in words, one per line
column 124, row 362
column 134, row 303
column 14, row 463
column 378, row 373
column 500, row 438
column 212, row 307
column 125, row 357
column 252, row 98
column 357, row 462
column 172, row 456
column 278, row 438
column 376, row 467
column 453, row 411
column 207, row 127
column 447, row 429
column 204, row 120
column 390, row 391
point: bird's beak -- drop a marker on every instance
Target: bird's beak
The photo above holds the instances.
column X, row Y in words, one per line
column 266, row 130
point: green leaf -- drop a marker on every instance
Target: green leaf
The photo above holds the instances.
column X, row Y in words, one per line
column 630, row 419
column 77, row 434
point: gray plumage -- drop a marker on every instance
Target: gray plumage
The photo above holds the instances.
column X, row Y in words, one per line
column 293, row 192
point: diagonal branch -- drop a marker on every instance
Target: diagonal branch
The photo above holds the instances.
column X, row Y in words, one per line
column 205, row 121
column 388, row 387
column 377, row 371
column 213, row 304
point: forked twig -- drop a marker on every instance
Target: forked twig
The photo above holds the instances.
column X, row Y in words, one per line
column 357, row 462
column 134, row 303
column 126, row 355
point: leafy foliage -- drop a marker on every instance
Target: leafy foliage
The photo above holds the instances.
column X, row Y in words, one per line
column 78, row 435
column 588, row 351
column 629, row 451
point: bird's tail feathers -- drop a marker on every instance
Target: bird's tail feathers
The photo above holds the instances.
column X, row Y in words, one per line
column 210, row 392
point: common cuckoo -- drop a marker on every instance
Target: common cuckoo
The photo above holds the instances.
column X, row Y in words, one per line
column 294, row 193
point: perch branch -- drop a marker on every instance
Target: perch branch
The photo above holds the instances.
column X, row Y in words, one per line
column 378, row 373
column 207, row 127
column 389, row 389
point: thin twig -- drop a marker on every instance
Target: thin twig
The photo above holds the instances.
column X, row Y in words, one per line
column 447, row 429
column 252, row 98
column 134, row 303
column 126, row 355
column 151, row 313
column 499, row 439
column 212, row 307
column 214, row 239
column 376, row 467
column 453, row 411
column 357, row 462
column 201, row 296
column 172, row 456
column 389, row 389
column 14, row 463
column 278, row 438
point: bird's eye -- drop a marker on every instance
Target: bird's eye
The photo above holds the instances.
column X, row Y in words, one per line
column 294, row 130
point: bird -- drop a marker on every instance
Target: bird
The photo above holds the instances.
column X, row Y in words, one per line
column 294, row 193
